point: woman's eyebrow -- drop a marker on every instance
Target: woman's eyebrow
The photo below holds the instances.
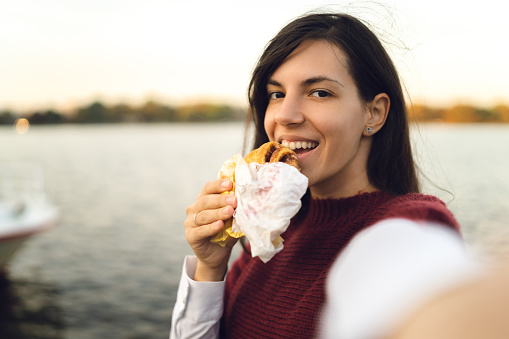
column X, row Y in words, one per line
column 307, row 82
column 320, row 78
column 273, row 83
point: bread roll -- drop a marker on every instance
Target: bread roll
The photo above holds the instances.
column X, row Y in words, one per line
column 266, row 153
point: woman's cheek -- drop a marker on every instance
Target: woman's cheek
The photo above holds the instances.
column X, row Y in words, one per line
column 268, row 124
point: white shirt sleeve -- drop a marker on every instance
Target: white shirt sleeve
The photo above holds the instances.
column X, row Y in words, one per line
column 388, row 271
column 199, row 305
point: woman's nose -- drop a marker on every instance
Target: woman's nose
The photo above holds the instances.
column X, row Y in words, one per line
column 290, row 112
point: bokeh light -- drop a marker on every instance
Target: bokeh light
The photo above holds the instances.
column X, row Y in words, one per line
column 21, row 125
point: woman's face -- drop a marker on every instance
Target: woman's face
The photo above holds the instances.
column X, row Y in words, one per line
column 314, row 107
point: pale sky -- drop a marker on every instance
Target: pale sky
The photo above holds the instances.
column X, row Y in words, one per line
column 62, row 53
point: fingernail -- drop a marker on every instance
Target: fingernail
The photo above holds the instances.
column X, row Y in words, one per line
column 226, row 210
column 225, row 183
column 230, row 200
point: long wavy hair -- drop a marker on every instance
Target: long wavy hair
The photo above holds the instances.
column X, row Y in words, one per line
column 391, row 165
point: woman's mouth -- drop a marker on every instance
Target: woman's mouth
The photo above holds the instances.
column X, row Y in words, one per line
column 300, row 147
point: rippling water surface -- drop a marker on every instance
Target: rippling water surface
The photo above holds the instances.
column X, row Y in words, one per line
column 110, row 268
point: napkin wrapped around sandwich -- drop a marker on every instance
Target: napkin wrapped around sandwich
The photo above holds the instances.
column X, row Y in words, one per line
column 268, row 186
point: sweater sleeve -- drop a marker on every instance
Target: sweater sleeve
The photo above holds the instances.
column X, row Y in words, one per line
column 420, row 207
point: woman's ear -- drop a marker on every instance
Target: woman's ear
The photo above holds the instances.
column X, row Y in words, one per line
column 378, row 111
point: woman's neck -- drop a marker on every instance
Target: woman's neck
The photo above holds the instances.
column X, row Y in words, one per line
column 347, row 189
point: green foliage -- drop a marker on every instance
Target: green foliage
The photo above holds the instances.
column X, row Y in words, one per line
column 95, row 113
column 209, row 112
column 152, row 111
column 48, row 117
column 7, row 118
column 459, row 113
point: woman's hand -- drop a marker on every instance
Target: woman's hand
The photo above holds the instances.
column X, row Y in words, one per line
column 205, row 218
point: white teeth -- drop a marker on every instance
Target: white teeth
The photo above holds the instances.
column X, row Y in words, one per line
column 299, row 144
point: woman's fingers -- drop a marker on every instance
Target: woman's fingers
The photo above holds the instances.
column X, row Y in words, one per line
column 213, row 201
column 216, row 186
column 212, row 206
column 209, row 216
column 197, row 234
column 205, row 218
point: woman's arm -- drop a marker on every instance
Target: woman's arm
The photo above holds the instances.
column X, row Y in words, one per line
column 474, row 310
column 199, row 304
column 205, row 218
column 387, row 272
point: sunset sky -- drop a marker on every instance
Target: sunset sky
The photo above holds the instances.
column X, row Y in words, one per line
column 60, row 53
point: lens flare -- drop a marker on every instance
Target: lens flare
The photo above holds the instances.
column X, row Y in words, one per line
column 21, row 125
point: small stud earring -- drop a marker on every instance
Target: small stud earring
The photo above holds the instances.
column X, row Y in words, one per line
column 369, row 129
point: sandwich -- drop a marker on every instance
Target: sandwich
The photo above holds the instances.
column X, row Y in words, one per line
column 269, row 152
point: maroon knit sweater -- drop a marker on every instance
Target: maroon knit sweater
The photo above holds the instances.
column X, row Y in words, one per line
column 283, row 298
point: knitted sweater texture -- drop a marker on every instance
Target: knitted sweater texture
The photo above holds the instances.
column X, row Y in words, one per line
column 283, row 298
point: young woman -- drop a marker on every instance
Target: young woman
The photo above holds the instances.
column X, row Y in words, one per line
column 325, row 84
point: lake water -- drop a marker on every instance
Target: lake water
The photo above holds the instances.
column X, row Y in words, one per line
column 110, row 268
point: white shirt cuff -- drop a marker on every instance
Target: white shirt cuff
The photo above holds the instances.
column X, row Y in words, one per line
column 199, row 306
column 205, row 298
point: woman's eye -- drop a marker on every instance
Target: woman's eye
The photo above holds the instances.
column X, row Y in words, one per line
column 276, row 95
column 320, row 94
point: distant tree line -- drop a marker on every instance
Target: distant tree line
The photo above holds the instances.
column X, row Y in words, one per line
column 459, row 113
column 151, row 111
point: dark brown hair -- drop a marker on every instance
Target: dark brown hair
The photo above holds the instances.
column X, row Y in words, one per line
column 391, row 166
